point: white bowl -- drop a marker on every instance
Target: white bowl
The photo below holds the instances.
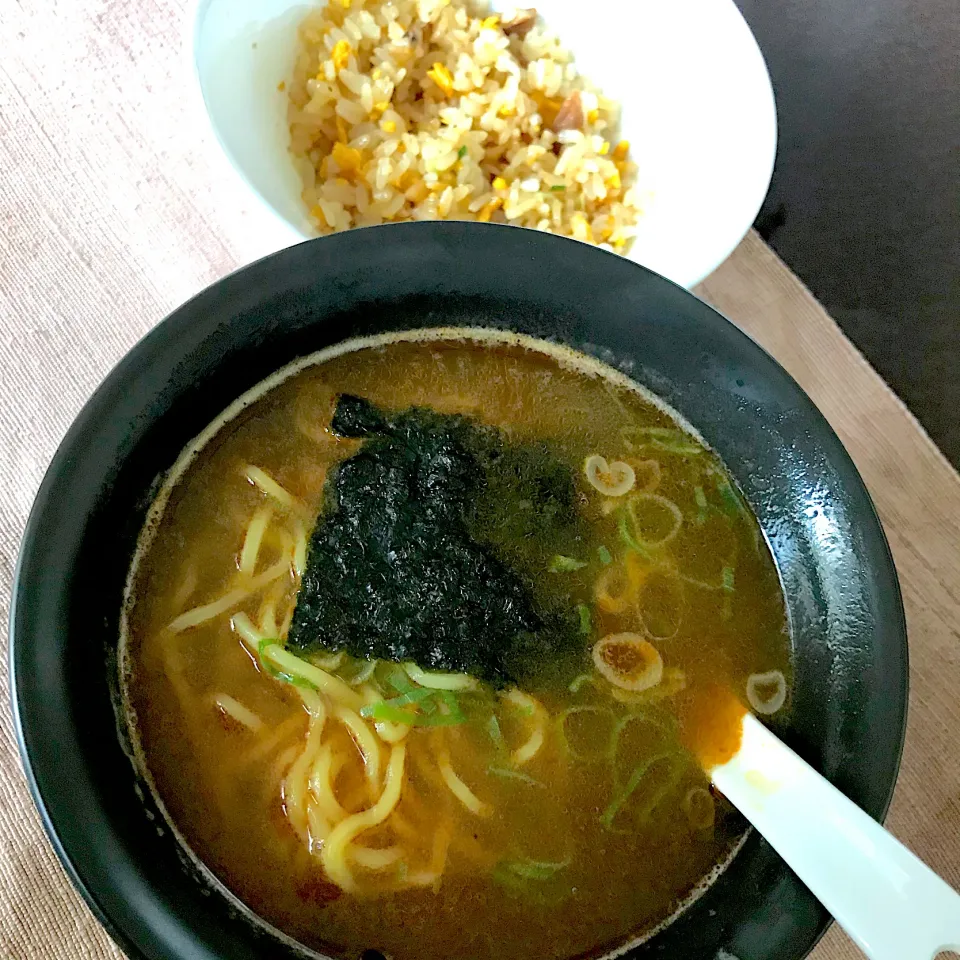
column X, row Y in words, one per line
column 697, row 103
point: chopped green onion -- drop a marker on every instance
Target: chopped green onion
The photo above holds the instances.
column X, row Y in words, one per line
column 363, row 674
column 558, row 187
column 579, row 681
column 605, row 556
column 701, row 499
column 730, row 499
column 669, row 440
column 398, row 679
column 382, row 710
column 493, row 728
column 461, row 153
column 534, row 869
column 606, row 717
column 562, row 564
column 627, row 792
column 583, row 611
column 454, row 713
column 414, row 696
column 727, row 586
column 509, row 774
column 388, row 711
column 630, row 540
column 274, row 672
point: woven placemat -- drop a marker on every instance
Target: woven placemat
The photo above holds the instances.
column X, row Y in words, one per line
column 112, row 214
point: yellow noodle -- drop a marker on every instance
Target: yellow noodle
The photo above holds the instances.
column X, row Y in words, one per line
column 268, row 620
column 250, row 550
column 295, row 782
column 319, row 827
column 334, row 854
column 275, row 737
column 404, row 830
column 422, row 878
column 261, row 479
column 186, row 588
column 299, row 549
column 365, row 739
column 388, row 732
column 235, row 709
column 439, row 681
column 312, row 701
column 322, row 778
column 375, row 858
column 248, row 633
column 526, row 752
column 173, row 669
column 326, row 661
column 391, row 732
column 279, row 768
column 325, row 682
column 441, row 847
column 285, row 629
column 458, row 788
column 201, row 614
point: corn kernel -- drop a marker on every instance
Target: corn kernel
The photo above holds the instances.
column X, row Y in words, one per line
column 347, row 158
column 593, row 116
column 499, row 184
column 491, row 23
column 581, row 228
column 389, row 126
column 604, row 148
column 442, row 77
column 506, row 111
column 281, row 86
column 417, row 193
column 340, row 54
column 620, row 150
column 613, row 181
column 345, row 4
column 484, row 215
column 317, row 213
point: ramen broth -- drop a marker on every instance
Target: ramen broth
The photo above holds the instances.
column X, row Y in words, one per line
column 352, row 803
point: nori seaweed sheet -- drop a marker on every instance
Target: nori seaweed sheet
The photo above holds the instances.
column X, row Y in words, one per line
column 429, row 543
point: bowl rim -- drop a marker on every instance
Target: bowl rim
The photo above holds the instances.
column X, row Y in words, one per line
column 73, row 446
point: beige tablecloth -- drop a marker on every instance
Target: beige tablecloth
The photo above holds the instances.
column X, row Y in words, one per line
column 112, row 214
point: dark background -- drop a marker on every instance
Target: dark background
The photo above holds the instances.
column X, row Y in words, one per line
column 865, row 200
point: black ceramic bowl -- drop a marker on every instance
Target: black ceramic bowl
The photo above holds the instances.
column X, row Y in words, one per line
column 842, row 594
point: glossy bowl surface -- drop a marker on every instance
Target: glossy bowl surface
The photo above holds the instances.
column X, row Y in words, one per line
column 842, row 594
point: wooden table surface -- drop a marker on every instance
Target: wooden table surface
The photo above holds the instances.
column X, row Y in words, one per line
column 865, row 201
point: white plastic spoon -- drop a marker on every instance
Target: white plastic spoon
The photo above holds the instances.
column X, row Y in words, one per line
column 891, row 904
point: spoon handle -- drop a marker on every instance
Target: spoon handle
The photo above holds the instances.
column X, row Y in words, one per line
column 891, row 904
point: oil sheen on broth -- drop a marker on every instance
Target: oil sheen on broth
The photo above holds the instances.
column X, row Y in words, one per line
column 547, row 805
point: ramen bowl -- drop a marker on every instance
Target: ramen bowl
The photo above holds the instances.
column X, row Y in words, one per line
column 842, row 598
